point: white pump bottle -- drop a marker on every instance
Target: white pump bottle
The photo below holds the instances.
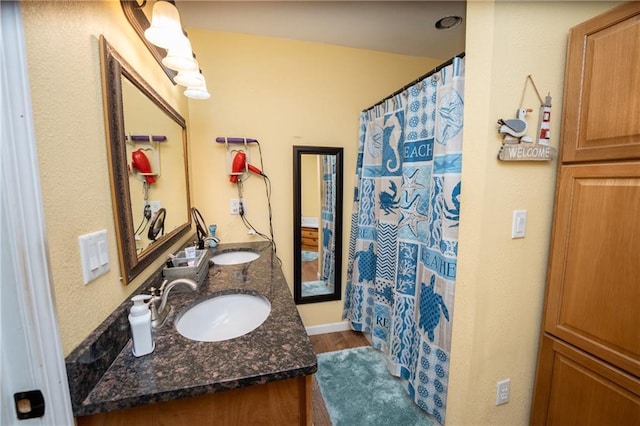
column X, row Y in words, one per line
column 140, row 321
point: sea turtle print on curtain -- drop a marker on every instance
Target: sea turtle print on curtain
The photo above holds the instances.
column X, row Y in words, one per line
column 403, row 246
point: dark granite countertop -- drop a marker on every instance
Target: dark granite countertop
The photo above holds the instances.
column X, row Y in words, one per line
column 179, row 367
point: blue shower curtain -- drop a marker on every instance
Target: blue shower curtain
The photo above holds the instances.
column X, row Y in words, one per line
column 328, row 218
column 404, row 232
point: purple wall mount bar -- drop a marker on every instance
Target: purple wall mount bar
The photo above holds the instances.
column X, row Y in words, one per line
column 146, row 138
column 235, row 140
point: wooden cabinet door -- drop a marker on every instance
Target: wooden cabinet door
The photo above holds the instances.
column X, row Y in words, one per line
column 593, row 296
column 602, row 88
column 582, row 390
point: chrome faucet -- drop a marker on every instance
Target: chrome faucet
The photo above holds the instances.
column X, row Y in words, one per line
column 159, row 308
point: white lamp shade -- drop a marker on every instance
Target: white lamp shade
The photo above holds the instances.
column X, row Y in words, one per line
column 189, row 79
column 180, row 58
column 165, row 30
column 199, row 92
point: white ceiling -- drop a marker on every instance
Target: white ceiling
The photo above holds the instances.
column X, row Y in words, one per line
column 403, row 27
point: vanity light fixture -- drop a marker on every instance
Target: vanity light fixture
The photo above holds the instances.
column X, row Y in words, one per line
column 448, row 22
column 165, row 30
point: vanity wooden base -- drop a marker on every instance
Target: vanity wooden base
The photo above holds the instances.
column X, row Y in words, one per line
column 285, row 402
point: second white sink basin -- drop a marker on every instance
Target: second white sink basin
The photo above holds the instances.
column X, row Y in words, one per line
column 235, row 257
column 224, row 317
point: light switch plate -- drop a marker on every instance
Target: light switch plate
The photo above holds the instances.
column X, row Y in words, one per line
column 519, row 224
column 94, row 255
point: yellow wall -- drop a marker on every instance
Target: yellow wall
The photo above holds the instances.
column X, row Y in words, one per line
column 500, row 281
column 283, row 93
column 64, row 73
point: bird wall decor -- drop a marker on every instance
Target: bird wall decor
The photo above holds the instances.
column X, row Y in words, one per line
column 516, row 145
column 515, row 129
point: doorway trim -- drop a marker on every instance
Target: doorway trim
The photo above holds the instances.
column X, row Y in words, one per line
column 31, row 355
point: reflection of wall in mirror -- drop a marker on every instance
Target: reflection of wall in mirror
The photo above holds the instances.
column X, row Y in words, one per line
column 310, row 174
column 143, row 117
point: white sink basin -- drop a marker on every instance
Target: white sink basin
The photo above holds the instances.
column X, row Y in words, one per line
column 224, row 317
column 235, row 257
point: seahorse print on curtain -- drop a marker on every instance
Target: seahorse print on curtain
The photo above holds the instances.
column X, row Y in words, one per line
column 403, row 246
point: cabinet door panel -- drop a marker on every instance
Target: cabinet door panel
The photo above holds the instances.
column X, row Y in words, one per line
column 584, row 390
column 601, row 102
column 594, row 276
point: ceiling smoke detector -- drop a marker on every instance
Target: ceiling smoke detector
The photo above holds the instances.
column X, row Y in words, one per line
column 448, row 22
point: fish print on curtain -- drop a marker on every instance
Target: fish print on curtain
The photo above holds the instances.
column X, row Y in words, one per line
column 404, row 232
column 328, row 218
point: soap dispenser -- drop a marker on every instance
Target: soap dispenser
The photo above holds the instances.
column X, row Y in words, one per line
column 140, row 321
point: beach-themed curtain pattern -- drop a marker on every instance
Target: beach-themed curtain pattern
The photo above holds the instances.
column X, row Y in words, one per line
column 404, row 231
column 328, row 218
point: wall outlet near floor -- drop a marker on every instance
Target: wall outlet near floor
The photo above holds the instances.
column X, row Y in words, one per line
column 502, row 391
column 234, row 206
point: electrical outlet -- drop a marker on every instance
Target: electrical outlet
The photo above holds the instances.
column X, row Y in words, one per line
column 155, row 206
column 234, row 205
column 502, row 391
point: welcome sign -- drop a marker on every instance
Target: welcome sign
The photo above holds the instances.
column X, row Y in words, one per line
column 526, row 152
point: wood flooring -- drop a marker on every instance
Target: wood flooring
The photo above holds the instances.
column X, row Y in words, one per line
column 310, row 271
column 327, row 343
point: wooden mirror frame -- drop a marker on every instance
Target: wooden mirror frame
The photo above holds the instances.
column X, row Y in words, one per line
column 298, row 152
column 139, row 21
column 114, row 67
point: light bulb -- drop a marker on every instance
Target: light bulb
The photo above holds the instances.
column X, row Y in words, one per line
column 165, row 30
column 199, row 92
column 189, row 78
column 180, row 58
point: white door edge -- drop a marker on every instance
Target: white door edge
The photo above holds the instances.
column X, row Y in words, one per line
column 30, row 337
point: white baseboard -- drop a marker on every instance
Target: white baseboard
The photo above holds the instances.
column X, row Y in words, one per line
column 328, row 328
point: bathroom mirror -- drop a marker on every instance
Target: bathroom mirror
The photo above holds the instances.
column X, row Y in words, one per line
column 149, row 191
column 317, row 223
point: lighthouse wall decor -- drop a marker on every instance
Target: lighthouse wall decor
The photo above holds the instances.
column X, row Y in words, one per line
column 516, row 144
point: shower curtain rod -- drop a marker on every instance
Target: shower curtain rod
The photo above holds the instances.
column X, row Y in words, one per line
column 417, row 80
